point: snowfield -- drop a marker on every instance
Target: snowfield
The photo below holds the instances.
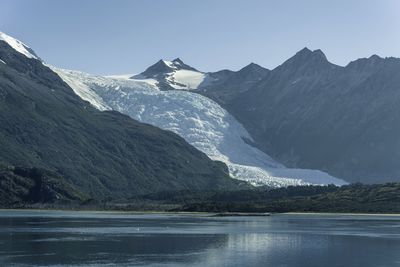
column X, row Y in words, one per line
column 186, row 79
column 199, row 120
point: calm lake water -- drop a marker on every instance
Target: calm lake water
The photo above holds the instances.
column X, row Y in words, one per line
column 55, row 238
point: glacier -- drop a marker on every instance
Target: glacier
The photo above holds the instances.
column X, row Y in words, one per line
column 199, row 120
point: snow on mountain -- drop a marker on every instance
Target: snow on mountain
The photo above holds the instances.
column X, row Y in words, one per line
column 198, row 119
column 18, row 46
column 174, row 75
column 84, row 91
column 186, row 79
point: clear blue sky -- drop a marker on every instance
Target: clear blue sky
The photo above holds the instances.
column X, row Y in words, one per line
column 121, row 36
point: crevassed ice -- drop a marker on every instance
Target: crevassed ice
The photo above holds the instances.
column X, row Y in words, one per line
column 198, row 119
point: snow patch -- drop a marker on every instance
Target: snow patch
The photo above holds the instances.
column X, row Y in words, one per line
column 128, row 77
column 188, row 78
column 151, row 82
column 171, row 64
column 2, row 62
column 18, row 46
column 121, row 76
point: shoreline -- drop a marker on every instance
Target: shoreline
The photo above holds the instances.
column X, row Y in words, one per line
column 342, row 213
column 212, row 214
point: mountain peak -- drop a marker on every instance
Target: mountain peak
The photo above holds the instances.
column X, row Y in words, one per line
column 253, row 67
column 375, row 57
column 253, row 70
column 160, row 67
column 319, row 52
column 305, row 50
column 18, row 46
column 163, row 67
column 306, row 53
column 307, row 60
column 178, row 61
column 367, row 64
column 178, row 64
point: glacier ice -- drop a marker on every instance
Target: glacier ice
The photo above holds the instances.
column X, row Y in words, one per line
column 198, row 119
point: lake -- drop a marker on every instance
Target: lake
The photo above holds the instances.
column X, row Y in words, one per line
column 60, row 238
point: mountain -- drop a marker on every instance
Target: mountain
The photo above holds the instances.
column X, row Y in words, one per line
column 227, row 84
column 45, row 125
column 176, row 75
column 310, row 113
column 199, row 120
column 19, row 186
column 170, row 75
column 18, row 46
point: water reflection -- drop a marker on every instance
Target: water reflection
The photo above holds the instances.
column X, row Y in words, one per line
column 95, row 239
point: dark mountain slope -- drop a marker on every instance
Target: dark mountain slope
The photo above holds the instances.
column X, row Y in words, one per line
column 310, row 113
column 44, row 124
column 20, row 186
column 228, row 84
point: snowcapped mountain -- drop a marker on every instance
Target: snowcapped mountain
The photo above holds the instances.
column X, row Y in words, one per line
column 64, row 147
column 174, row 75
column 18, row 46
column 198, row 119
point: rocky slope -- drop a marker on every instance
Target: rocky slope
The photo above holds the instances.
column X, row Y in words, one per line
column 310, row 113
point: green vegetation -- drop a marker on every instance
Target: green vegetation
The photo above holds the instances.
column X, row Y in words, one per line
column 27, row 186
column 39, row 188
column 358, row 198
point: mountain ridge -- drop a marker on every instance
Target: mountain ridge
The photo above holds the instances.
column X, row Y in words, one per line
column 307, row 108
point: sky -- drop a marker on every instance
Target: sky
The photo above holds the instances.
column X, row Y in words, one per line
column 126, row 36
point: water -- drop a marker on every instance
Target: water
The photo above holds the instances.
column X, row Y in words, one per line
column 55, row 238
